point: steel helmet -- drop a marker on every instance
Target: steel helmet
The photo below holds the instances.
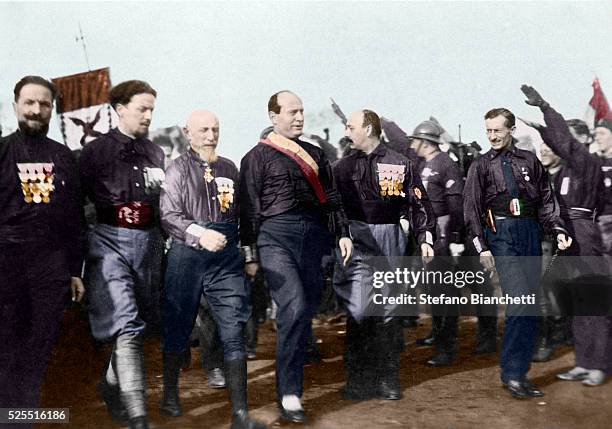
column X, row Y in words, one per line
column 428, row 130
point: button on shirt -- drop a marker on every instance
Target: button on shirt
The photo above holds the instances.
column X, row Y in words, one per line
column 485, row 182
column 112, row 168
column 272, row 184
column 188, row 198
column 358, row 180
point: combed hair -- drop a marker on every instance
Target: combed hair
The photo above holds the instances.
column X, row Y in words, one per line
column 371, row 118
column 502, row 111
column 579, row 126
column 35, row 80
column 273, row 105
column 123, row 93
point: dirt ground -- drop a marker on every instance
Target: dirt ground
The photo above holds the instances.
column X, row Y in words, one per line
column 467, row 394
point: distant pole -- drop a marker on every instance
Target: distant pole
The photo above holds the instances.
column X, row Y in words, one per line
column 81, row 38
column 459, row 133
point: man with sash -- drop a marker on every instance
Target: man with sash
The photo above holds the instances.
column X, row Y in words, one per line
column 383, row 197
column 121, row 173
column 509, row 189
column 579, row 187
column 287, row 196
column 41, row 243
column 199, row 211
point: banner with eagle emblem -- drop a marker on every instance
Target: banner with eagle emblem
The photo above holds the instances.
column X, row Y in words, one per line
column 83, row 107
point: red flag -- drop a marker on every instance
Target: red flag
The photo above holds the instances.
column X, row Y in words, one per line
column 598, row 105
column 83, row 106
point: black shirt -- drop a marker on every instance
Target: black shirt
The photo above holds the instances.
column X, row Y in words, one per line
column 271, row 183
column 58, row 222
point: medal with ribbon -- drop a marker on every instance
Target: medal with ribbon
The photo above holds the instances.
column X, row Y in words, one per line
column 225, row 192
column 36, row 181
column 391, row 179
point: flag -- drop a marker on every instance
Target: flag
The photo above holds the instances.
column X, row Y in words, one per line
column 598, row 106
column 83, row 107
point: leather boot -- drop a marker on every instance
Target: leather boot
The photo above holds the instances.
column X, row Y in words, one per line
column 543, row 349
column 359, row 384
column 128, row 361
column 108, row 388
column 389, row 349
column 236, row 377
column 486, row 339
column 170, row 404
column 446, row 343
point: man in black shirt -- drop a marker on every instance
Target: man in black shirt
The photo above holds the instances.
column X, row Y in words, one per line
column 41, row 243
column 121, row 174
column 286, row 195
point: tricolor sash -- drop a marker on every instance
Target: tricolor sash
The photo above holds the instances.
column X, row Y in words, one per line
column 302, row 158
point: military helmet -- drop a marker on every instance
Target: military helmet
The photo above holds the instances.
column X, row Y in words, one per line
column 427, row 130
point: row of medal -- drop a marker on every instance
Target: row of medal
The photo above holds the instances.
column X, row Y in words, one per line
column 36, row 181
column 391, row 179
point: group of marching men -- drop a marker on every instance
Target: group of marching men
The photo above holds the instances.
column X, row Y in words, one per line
column 292, row 206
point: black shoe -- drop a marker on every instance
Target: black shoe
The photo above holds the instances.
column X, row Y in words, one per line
column 441, row 359
column 517, row 389
column 170, row 404
column 139, row 423
column 216, row 379
column 241, row 420
column 293, row 416
column 429, row 340
column 485, row 347
column 113, row 402
column 543, row 354
column 532, row 389
column 389, row 391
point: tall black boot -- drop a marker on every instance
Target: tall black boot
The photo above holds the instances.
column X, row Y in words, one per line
column 236, row 376
column 359, row 384
column 128, row 361
column 486, row 339
column 543, row 349
column 430, row 338
column 446, row 342
column 170, row 404
column 389, row 349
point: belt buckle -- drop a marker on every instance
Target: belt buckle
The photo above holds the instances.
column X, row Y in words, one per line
column 515, row 207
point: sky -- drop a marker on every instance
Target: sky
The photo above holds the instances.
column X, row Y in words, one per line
column 405, row 60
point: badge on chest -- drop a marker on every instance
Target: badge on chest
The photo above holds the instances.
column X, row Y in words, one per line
column 391, row 179
column 225, row 193
column 36, row 181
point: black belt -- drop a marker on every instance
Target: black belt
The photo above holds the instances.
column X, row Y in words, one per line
column 572, row 213
column 513, row 207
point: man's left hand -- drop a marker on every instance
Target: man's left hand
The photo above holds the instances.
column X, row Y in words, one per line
column 563, row 241
column 154, row 178
column 427, row 253
column 346, row 249
column 77, row 288
column 533, row 97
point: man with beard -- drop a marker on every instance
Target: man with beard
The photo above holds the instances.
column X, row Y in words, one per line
column 41, row 243
column 509, row 189
column 383, row 198
column 286, row 196
column 578, row 186
column 121, row 173
column 199, row 212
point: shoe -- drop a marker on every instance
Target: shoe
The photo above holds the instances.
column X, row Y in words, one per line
column 389, row 391
column 595, row 378
column 543, row 354
column 170, row 404
column 293, row 416
column 113, row 402
column 216, row 379
column 241, row 420
column 139, row 423
column 441, row 359
column 516, row 389
column 532, row 389
column 429, row 340
column 485, row 347
column 251, row 354
column 575, row 374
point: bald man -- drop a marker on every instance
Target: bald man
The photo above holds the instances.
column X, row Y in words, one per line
column 199, row 212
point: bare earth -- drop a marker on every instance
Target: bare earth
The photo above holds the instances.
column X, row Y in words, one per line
column 465, row 395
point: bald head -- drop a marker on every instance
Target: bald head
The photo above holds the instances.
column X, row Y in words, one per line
column 202, row 130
